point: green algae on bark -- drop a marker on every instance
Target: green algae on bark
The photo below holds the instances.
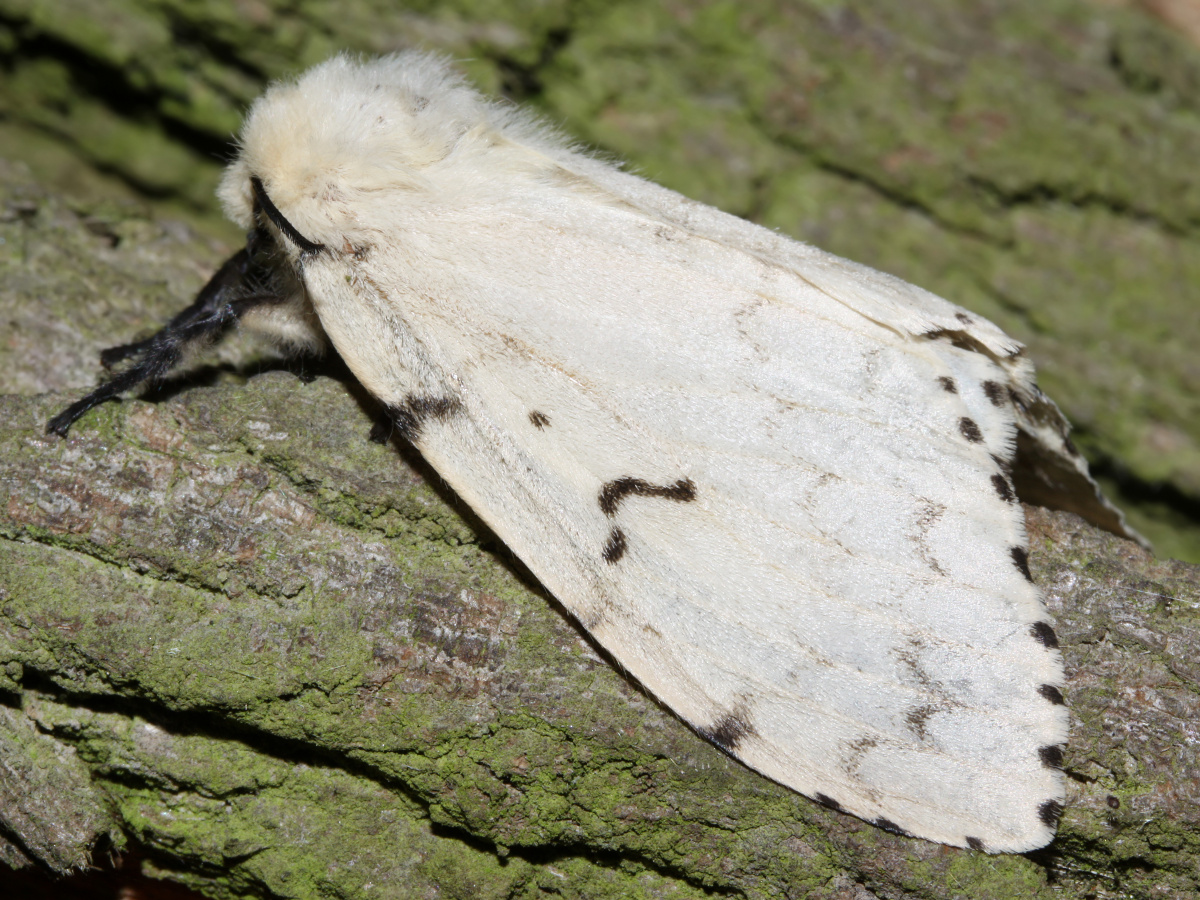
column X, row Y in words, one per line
column 1031, row 160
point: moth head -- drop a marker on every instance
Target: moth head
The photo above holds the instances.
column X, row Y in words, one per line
column 348, row 136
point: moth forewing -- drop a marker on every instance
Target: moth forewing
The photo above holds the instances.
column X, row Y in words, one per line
column 842, row 530
column 775, row 485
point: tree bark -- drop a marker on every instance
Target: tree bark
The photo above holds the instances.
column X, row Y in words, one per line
column 1032, row 160
column 283, row 661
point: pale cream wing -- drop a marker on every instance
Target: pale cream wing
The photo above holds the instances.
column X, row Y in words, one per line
column 791, row 522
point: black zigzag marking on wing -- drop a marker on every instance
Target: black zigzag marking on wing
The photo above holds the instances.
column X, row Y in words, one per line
column 613, row 492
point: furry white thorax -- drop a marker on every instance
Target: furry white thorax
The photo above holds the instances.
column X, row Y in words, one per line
column 348, row 139
column 776, row 485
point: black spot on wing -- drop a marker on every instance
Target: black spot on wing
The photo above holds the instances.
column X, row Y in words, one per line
column 408, row 419
column 890, row 827
column 963, row 317
column 827, row 801
column 1051, row 756
column 615, row 547
column 975, row 844
column 1042, row 631
column 613, row 492
column 288, row 230
column 1053, row 694
column 539, row 419
column 1004, row 489
column 995, row 392
column 948, row 384
column 1021, row 559
column 970, row 430
column 1050, row 812
column 730, row 730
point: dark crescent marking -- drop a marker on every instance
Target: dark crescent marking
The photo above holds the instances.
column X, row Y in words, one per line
column 281, row 222
column 1021, row 558
column 827, row 801
column 1053, row 694
column 539, row 419
column 613, row 492
column 970, row 430
column 1042, row 631
column 995, row 393
column 1051, row 756
column 1049, row 812
column 975, row 844
column 948, row 384
column 616, row 546
column 1000, row 483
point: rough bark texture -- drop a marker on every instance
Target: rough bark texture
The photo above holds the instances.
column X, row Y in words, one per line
column 284, row 662
column 1033, row 160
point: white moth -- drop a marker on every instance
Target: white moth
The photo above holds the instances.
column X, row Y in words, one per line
column 780, row 488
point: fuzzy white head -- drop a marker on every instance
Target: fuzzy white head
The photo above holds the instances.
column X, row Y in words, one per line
column 342, row 146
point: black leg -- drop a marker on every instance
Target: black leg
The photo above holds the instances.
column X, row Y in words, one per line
column 381, row 431
column 114, row 355
column 229, row 294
